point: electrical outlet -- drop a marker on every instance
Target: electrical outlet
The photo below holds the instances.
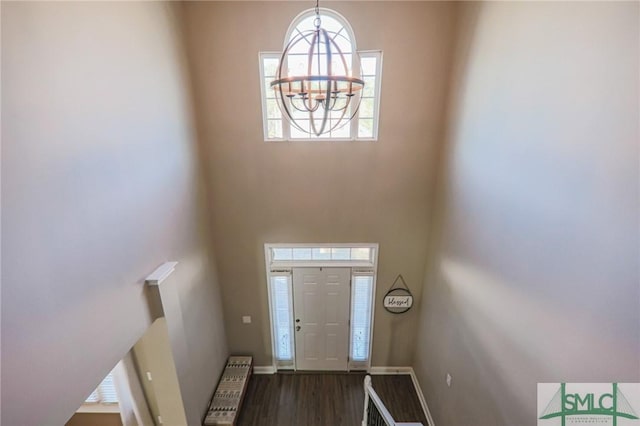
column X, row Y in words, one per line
column 246, row 319
column 149, row 378
column 448, row 380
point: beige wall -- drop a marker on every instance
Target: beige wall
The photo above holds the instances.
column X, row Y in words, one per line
column 153, row 355
column 319, row 192
column 99, row 186
column 534, row 275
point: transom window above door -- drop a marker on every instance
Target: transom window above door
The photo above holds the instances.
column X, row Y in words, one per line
column 287, row 255
column 365, row 64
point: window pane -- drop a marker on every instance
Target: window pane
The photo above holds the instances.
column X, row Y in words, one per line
column 368, row 66
column 270, row 66
column 302, row 254
column 108, row 390
column 348, row 58
column 105, row 393
column 295, row 133
column 339, row 113
column 268, row 90
column 301, row 45
column 274, row 129
column 321, row 254
column 273, row 111
column 361, row 320
column 332, row 25
column 343, row 132
column 340, row 253
column 296, row 113
column 360, row 253
column 328, row 23
column 369, row 87
column 304, row 25
column 365, row 128
column 282, row 318
column 94, row 397
column 344, row 44
column 297, row 65
column 366, row 108
column 281, row 254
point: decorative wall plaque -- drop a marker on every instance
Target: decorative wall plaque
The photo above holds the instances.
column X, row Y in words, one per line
column 398, row 300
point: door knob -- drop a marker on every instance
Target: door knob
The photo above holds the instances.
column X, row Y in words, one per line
column 298, row 328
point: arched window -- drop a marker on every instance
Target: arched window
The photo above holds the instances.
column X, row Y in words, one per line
column 366, row 64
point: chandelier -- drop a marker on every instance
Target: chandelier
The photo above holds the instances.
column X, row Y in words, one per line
column 321, row 96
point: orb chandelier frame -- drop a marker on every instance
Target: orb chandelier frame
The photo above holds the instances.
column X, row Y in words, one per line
column 327, row 96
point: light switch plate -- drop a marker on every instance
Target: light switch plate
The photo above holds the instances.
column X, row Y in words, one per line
column 246, row 319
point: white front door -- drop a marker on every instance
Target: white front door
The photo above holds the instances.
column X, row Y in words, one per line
column 321, row 314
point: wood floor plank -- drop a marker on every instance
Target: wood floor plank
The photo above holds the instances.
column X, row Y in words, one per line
column 399, row 396
column 308, row 399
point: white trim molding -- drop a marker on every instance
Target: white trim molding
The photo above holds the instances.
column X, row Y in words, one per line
column 377, row 371
column 98, row 408
column 407, row 370
column 423, row 400
column 161, row 273
column 264, row 369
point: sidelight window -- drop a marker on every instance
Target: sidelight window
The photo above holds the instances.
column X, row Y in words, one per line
column 282, row 316
column 361, row 303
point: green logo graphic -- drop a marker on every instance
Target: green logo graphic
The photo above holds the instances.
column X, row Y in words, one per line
column 563, row 405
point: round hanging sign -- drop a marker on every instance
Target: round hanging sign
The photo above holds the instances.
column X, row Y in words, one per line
column 398, row 300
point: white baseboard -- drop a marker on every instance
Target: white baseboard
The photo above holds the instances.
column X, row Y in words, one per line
column 374, row 371
column 407, row 370
column 422, row 399
column 264, row 369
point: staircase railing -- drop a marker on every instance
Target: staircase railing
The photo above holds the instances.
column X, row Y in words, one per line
column 375, row 413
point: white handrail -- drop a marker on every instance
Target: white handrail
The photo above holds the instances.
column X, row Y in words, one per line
column 370, row 396
column 367, row 385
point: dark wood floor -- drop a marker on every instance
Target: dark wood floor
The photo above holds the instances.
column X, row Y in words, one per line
column 324, row 399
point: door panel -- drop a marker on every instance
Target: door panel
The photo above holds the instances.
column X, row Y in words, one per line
column 321, row 311
column 332, row 347
column 310, row 346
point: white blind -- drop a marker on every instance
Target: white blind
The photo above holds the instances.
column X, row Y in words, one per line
column 280, row 294
column 361, row 317
column 105, row 393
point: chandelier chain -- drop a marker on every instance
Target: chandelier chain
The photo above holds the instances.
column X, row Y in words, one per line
column 317, row 22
